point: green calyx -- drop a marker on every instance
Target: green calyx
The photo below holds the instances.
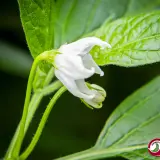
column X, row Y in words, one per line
column 48, row 56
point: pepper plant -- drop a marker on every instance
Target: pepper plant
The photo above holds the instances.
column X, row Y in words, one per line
column 71, row 39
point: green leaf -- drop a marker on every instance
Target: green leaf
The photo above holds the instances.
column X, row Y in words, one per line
column 14, row 60
column 141, row 6
column 134, row 122
column 37, row 18
column 48, row 24
column 77, row 17
column 129, row 129
column 134, row 40
column 141, row 154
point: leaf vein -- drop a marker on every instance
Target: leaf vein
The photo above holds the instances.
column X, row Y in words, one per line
column 131, row 29
column 129, row 110
column 150, row 119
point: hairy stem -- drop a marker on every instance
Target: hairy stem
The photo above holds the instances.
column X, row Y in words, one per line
column 35, row 101
column 36, row 97
column 17, row 145
column 42, row 123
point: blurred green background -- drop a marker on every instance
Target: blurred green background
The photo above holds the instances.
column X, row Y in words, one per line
column 71, row 127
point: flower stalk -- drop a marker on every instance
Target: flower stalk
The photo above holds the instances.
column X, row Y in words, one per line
column 42, row 123
column 15, row 146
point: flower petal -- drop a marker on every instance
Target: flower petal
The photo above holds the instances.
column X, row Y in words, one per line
column 83, row 87
column 71, row 85
column 83, row 46
column 92, row 41
column 73, row 66
column 89, row 63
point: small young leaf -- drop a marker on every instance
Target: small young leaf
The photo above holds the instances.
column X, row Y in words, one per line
column 134, row 40
column 134, row 122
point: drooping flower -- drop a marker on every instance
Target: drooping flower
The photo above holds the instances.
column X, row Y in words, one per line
column 74, row 64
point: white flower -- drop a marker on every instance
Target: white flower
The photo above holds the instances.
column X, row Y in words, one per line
column 74, row 64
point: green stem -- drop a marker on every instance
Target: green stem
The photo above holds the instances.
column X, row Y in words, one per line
column 16, row 149
column 35, row 101
column 49, row 77
column 13, row 151
column 51, row 88
column 42, row 123
column 94, row 153
column 36, row 98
